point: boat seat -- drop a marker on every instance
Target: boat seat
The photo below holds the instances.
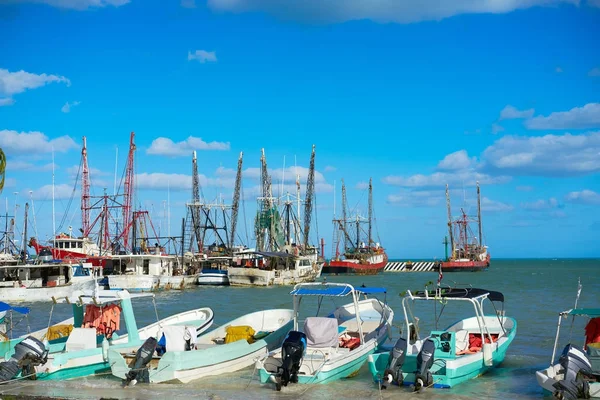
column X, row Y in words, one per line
column 321, row 332
column 81, row 339
column 367, row 326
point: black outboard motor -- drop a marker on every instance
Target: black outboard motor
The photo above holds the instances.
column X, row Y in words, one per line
column 393, row 372
column 425, row 358
column 29, row 353
column 575, row 366
column 138, row 371
column 292, row 352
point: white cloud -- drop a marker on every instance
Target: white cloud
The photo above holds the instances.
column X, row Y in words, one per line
column 166, row 147
column 417, row 198
column 362, row 185
column 510, row 112
column 61, row 191
column 12, row 83
column 330, row 168
column 6, row 101
column 440, row 179
column 587, row 116
column 494, row 206
column 541, row 205
column 558, row 70
column 67, row 107
column 455, row 161
column 289, row 174
column 163, row 181
column 583, row 197
column 549, row 155
column 383, row 11
column 78, row 4
column 18, row 165
column 33, row 143
column 497, row 128
column 594, row 72
column 202, row 56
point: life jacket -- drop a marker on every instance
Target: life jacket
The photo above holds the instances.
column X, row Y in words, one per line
column 106, row 320
column 592, row 331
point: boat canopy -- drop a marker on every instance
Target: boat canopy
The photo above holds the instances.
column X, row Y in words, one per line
column 332, row 289
column 458, row 293
column 104, row 298
column 8, row 307
column 584, row 312
column 326, row 291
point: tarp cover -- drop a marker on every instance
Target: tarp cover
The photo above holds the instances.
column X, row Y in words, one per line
column 321, row 332
column 174, row 335
column 7, row 307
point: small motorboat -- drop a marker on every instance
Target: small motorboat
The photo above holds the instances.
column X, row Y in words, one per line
column 451, row 356
column 233, row 346
column 577, row 373
column 332, row 347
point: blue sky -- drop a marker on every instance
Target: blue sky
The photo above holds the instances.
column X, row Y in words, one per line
column 412, row 94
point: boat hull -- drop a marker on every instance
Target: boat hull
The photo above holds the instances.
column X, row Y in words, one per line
column 247, row 276
column 453, row 372
column 213, row 277
column 547, row 378
column 147, row 283
column 349, row 267
column 29, row 294
column 464, row 266
column 211, row 359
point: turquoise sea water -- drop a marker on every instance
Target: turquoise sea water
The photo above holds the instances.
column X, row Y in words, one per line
column 535, row 291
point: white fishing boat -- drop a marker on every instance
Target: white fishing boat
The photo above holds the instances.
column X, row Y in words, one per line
column 577, row 373
column 445, row 358
column 273, row 268
column 31, row 282
column 332, row 347
column 214, row 271
column 233, row 346
column 83, row 351
column 147, row 272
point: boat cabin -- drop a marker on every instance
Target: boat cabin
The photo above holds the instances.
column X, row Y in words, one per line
column 143, row 264
column 44, row 275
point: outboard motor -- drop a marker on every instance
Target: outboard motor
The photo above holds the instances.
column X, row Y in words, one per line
column 575, row 366
column 393, row 372
column 138, row 371
column 292, row 352
column 425, row 358
column 29, row 353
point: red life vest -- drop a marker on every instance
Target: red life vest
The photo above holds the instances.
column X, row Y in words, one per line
column 592, row 331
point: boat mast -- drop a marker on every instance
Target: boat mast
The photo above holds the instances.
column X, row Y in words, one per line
column 196, row 203
column 310, row 187
column 344, row 216
column 236, row 199
column 53, row 209
column 450, row 233
column 23, row 243
column 297, row 229
column 85, row 191
column 479, row 216
column 370, row 210
column 128, row 192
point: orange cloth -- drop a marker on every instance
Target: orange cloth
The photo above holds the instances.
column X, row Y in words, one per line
column 592, row 331
column 105, row 319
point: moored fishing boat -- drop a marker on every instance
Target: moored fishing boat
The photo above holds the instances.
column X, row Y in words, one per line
column 577, row 373
column 214, row 271
column 231, row 347
column 451, row 356
column 147, row 272
column 39, row 282
column 97, row 321
column 332, row 347
column 468, row 253
column 358, row 257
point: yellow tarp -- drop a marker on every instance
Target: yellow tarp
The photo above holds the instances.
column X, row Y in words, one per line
column 58, row 331
column 235, row 333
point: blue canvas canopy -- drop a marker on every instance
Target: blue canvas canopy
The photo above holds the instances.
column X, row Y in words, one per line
column 8, row 307
column 326, row 291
